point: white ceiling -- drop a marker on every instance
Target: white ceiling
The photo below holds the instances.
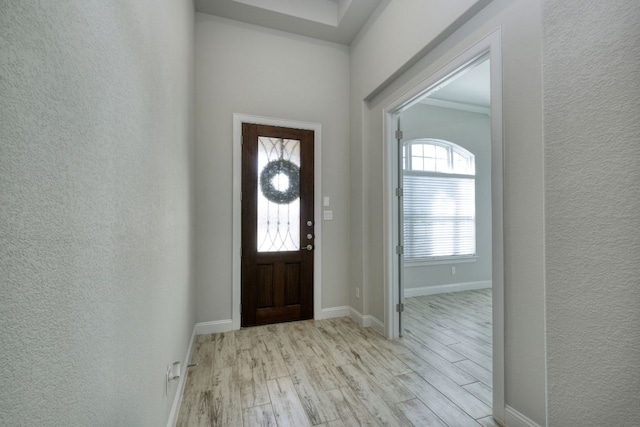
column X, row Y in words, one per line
column 337, row 21
column 471, row 87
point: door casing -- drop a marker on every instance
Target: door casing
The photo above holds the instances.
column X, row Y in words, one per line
column 238, row 119
column 489, row 46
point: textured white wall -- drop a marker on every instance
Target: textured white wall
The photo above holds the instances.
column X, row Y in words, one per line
column 398, row 32
column 246, row 69
column 592, row 201
column 95, row 248
column 473, row 132
column 520, row 21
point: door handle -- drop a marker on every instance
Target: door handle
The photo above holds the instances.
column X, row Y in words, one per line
column 309, row 247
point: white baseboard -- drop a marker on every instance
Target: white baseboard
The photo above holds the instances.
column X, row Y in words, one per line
column 374, row 323
column 217, row 326
column 331, row 312
column 202, row 328
column 513, row 418
column 443, row 289
column 367, row 321
column 177, row 398
column 356, row 315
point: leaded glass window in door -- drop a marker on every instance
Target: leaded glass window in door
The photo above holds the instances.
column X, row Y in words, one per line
column 278, row 194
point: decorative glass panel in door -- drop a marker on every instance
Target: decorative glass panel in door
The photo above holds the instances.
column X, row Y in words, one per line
column 278, row 194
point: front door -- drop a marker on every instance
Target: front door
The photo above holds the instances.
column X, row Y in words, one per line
column 277, row 224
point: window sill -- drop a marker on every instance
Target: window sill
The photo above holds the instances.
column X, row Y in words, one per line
column 440, row 261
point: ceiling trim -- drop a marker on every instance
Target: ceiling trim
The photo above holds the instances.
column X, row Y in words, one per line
column 337, row 21
column 457, row 105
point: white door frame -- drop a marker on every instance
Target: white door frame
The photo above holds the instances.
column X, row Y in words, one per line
column 489, row 46
column 238, row 119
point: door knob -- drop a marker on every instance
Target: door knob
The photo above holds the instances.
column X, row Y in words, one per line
column 309, row 236
column 309, row 223
column 309, row 247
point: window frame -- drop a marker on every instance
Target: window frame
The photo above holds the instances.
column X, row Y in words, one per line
column 452, row 148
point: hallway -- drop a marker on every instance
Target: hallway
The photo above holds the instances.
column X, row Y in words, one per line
column 333, row 372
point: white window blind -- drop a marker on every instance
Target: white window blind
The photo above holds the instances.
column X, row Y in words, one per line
column 439, row 208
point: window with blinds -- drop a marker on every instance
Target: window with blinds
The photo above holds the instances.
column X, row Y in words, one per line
column 438, row 200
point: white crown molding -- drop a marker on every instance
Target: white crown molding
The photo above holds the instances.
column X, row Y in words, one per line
column 457, row 106
column 337, row 22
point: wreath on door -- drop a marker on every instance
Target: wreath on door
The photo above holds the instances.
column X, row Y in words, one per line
column 274, row 168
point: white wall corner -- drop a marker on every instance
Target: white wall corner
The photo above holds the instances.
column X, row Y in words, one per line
column 356, row 315
column 442, row 289
column 217, row 326
column 177, row 398
column 367, row 321
column 374, row 323
column 331, row 312
column 513, row 418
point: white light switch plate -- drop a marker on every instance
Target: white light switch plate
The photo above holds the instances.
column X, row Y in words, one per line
column 327, row 215
column 325, row 201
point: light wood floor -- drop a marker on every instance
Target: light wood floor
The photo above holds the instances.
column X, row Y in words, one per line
column 335, row 373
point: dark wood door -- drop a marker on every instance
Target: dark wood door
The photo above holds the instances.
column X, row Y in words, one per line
column 277, row 224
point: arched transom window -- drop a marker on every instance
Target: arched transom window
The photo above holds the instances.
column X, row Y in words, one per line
column 438, row 200
column 436, row 155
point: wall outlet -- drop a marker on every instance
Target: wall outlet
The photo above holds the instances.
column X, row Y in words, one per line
column 173, row 373
column 453, row 270
column 357, row 291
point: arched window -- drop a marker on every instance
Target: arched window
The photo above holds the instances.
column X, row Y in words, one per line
column 436, row 155
column 438, row 200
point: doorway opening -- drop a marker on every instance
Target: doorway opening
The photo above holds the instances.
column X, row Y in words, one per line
column 445, row 282
column 279, row 188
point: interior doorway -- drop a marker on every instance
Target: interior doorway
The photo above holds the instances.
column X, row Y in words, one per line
column 445, row 290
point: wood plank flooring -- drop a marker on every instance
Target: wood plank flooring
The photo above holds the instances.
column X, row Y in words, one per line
column 335, row 373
